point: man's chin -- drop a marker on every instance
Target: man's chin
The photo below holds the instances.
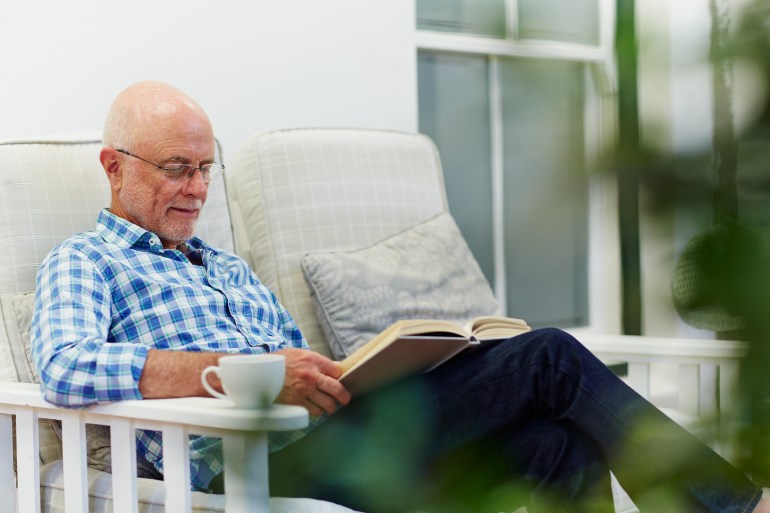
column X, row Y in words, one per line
column 176, row 237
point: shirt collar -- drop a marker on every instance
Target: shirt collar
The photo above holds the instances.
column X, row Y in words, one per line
column 125, row 234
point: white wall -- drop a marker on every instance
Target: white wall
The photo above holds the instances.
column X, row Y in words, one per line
column 252, row 65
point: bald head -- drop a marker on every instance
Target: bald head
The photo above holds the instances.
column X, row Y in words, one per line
column 152, row 125
column 143, row 108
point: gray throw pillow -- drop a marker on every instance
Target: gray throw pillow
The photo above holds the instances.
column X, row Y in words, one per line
column 16, row 365
column 424, row 272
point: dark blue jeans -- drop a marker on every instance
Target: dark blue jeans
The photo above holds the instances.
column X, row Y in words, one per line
column 536, row 420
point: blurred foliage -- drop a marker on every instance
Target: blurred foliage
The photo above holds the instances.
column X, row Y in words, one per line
column 728, row 264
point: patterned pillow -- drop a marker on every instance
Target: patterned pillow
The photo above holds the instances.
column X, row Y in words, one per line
column 16, row 364
column 424, row 272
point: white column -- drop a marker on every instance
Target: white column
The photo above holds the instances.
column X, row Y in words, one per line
column 246, row 473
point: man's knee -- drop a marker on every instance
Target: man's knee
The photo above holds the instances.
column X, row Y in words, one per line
column 553, row 343
column 555, row 337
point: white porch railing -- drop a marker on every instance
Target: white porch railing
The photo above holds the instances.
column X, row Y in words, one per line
column 243, row 433
column 707, row 382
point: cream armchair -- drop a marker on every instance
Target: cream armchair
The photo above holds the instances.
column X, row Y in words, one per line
column 294, row 192
column 51, row 188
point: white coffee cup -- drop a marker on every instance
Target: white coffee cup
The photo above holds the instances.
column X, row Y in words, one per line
column 249, row 381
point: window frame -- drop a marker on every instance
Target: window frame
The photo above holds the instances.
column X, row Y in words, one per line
column 600, row 132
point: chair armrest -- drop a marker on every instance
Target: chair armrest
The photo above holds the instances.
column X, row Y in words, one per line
column 243, row 434
column 203, row 415
column 662, row 348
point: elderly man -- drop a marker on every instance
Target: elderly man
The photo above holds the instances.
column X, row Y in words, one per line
column 139, row 307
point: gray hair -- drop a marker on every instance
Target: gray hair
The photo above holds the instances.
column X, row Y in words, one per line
column 118, row 127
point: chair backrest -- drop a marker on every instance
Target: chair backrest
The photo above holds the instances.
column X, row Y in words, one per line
column 52, row 188
column 296, row 191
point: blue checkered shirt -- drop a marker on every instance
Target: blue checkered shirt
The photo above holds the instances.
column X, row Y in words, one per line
column 104, row 298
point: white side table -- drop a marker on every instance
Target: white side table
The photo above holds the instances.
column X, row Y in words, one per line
column 244, row 440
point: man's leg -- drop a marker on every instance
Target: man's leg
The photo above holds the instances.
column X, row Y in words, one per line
column 543, row 465
column 386, row 452
column 540, row 464
column 548, row 373
column 486, row 392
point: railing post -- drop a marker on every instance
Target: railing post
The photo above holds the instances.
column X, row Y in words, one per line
column 7, row 478
column 74, row 464
column 176, row 467
column 728, row 410
column 689, row 389
column 28, row 459
column 123, row 447
column 639, row 378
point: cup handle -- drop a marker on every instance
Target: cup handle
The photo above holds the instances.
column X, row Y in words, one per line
column 205, row 383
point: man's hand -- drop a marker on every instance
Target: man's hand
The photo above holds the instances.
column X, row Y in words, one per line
column 312, row 381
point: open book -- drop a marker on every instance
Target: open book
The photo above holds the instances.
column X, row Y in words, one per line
column 414, row 346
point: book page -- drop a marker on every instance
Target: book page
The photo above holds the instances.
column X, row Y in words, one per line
column 493, row 327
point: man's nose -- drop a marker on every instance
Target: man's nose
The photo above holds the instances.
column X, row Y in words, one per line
column 195, row 185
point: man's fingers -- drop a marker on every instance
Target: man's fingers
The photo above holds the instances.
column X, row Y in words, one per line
column 311, row 381
column 329, row 367
column 335, row 389
column 317, row 402
column 312, row 408
column 324, row 401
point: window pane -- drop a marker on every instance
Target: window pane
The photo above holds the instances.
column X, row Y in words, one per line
column 546, row 219
column 482, row 17
column 454, row 111
column 570, row 21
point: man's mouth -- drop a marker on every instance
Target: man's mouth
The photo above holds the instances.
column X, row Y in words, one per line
column 187, row 211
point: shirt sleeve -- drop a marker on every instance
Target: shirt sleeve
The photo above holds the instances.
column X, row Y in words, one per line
column 76, row 362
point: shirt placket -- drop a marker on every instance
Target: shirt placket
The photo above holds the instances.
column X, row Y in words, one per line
column 213, row 280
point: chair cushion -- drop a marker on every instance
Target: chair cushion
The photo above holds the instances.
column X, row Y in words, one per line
column 303, row 190
column 151, row 495
column 424, row 272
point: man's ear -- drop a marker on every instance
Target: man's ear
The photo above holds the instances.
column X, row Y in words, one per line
column 113, row 167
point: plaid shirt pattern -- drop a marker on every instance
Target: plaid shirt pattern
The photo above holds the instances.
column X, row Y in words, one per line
column 104, row 298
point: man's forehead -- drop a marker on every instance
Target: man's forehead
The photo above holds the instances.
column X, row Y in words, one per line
column 173, row 122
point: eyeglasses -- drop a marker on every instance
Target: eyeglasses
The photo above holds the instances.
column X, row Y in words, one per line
column 175, row 171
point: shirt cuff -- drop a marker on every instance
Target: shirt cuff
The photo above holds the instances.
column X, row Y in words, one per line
column 118, row 369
